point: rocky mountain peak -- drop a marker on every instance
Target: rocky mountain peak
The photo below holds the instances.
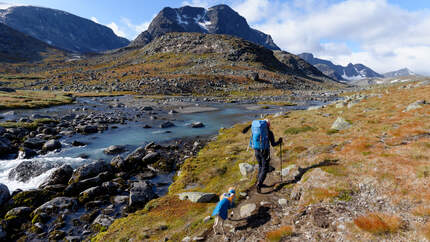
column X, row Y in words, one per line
column 61, row 29
column 219, row 19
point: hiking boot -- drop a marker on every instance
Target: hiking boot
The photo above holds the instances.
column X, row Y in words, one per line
column 258, row 189
column 264, row 185
column 271, row 169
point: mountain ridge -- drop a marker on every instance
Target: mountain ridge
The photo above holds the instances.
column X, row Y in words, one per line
column 350, row 72
column 16, row 46
column 200, row 20
column 399, row 73
column 61, row 29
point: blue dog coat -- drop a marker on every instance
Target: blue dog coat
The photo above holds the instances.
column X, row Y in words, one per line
column 224, row 205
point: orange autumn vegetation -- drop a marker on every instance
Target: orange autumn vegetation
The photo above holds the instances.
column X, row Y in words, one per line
column 277, row 235
column 378, row 223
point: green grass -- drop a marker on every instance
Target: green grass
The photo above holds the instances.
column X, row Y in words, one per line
column 32, row 99
column 298, row 130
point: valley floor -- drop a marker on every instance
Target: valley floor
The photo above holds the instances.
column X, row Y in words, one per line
column 364, row 180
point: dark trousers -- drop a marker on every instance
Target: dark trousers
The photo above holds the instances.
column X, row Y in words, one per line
column 263, row 158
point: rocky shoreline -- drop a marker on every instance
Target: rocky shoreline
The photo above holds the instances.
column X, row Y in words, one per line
column 75, row 204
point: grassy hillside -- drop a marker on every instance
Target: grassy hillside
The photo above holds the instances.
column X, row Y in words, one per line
column 174, row 64
column 377, row 189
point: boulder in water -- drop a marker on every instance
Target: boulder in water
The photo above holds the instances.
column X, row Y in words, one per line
column 166, row 125
column 60, row 176
column 197, row 125
column 4, row 194
column 34, row 143
column 136, row 156
column 114, row 150
column 31, row 168
column 51, row 145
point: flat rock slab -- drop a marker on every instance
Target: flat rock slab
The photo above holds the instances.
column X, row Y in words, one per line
column 247, row 210
column 198, row 197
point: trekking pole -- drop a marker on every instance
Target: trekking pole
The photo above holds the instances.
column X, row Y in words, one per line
column 280, row 154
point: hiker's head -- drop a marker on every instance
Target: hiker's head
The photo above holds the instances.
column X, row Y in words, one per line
column 268, row 122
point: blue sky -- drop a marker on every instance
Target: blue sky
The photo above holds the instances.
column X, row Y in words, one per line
column 383, row 34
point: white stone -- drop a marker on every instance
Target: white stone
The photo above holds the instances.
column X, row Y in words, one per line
column 340, row 124
column 286, row 171
column 246, row 169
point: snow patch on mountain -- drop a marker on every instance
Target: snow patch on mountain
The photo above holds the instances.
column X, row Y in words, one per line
column 180, row 19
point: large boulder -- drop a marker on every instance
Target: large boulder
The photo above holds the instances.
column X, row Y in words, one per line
column 34, row 143
column 341, row 124
column 51, row 145
column 114, row 150
column 91, row 193
column 101, row 223
column 20, row 213
column 31, row 198
column 89, row 170
column 140, row 194
column 4, row 194
column 57, row 205
column 77, row 187
column 31, row 168
column 118, row 163
column 198, row 197
column 60, row 176
column 5, row 146
column 87, row 129
column 135, row 156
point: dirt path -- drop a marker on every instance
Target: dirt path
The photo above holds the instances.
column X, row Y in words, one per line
column 266, row 216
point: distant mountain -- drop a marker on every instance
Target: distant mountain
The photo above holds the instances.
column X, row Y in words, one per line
column 341, row 73
column 61, row 29
column 297, row 64
column 18, row 47
column 220, row 19
column 399, row 73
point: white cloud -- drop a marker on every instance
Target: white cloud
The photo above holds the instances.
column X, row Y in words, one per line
column 138, row 28
column 8, row 5
column 94, row 19
column 385, row 36
column 198, row 3
column 116, row 29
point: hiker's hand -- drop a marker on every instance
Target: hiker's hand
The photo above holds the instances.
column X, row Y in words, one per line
column 280, row 140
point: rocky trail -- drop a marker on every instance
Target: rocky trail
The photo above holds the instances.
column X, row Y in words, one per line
column 269, row 210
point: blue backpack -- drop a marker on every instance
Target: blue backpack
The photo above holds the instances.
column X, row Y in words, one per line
column 260, row 135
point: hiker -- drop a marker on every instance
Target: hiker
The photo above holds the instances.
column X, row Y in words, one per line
column 222, row 207
column 261, row 139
